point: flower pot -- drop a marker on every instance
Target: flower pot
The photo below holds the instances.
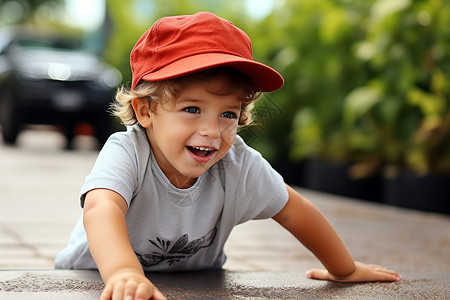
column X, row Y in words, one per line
column 428, row 193
column 334, row 178
column 291, row 172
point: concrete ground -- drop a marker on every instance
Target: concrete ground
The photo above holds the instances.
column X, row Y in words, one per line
column 38, row 206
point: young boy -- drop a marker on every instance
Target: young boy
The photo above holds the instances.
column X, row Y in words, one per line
column 165, row 194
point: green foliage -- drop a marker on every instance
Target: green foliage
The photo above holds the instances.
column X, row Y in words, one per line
column 366, row 82
column 407, row 56
column 23, row 11
column 309, row 43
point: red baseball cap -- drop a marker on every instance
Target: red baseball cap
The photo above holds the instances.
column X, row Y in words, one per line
column 180, row 45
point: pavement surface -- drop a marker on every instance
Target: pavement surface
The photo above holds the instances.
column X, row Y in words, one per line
column 39, row 205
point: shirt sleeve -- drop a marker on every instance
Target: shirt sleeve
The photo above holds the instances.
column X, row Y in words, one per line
column 115, row 169
column 261, row 190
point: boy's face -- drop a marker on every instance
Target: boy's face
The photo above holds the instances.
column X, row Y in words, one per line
column 195, row 132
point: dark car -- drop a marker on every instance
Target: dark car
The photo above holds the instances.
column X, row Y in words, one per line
column 50, row 79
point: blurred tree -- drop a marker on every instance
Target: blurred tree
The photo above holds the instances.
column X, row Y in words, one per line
column 23, row 11
column 366, row 82
column 309, row 42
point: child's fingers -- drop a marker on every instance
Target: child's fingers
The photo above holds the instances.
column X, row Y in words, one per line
column 384, row 274
column 107, row 293
column 318, row 274
column 145, row 291
column 157, row 295
column 363, row 273
column 130, row 290
column 389, row 275
column 118, row 292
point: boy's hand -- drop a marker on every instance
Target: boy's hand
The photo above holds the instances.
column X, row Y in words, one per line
column 130, row 285
column 362, row 273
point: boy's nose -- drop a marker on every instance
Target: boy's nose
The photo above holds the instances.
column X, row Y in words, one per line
column 210, row 128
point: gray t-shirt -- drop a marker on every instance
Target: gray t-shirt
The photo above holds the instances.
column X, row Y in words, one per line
column 175, row 229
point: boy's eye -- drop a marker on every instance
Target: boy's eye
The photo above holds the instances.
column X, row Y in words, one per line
column 192, row 110
column 229, row 115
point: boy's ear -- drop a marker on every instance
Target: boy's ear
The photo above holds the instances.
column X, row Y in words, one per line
column 141, row 108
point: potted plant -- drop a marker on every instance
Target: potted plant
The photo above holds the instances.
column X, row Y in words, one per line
column 313, row 52
column 366, row 91
column 405, row 105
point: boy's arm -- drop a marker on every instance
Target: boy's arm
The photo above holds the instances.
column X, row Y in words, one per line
column 313, row 230
column 110, row 246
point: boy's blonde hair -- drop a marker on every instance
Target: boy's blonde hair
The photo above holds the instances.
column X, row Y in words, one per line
column 166, row 91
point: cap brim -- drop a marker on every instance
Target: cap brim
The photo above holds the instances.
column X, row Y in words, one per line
column 267, row 78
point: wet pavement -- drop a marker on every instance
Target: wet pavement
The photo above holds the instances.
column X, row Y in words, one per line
column 221, row 285
column 38, row 206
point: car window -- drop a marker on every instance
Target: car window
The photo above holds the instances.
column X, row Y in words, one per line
column 4, row 40
column 54, row 43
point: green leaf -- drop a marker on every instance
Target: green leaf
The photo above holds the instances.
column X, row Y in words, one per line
column 428, row 103
column 384, row 8
column 358, row 102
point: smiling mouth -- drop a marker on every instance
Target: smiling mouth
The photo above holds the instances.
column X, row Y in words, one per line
column 201, row 151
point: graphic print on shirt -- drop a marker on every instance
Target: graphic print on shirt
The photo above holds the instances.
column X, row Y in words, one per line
column 182, row 249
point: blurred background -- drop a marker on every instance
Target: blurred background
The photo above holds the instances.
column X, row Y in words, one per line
column 364, row 113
